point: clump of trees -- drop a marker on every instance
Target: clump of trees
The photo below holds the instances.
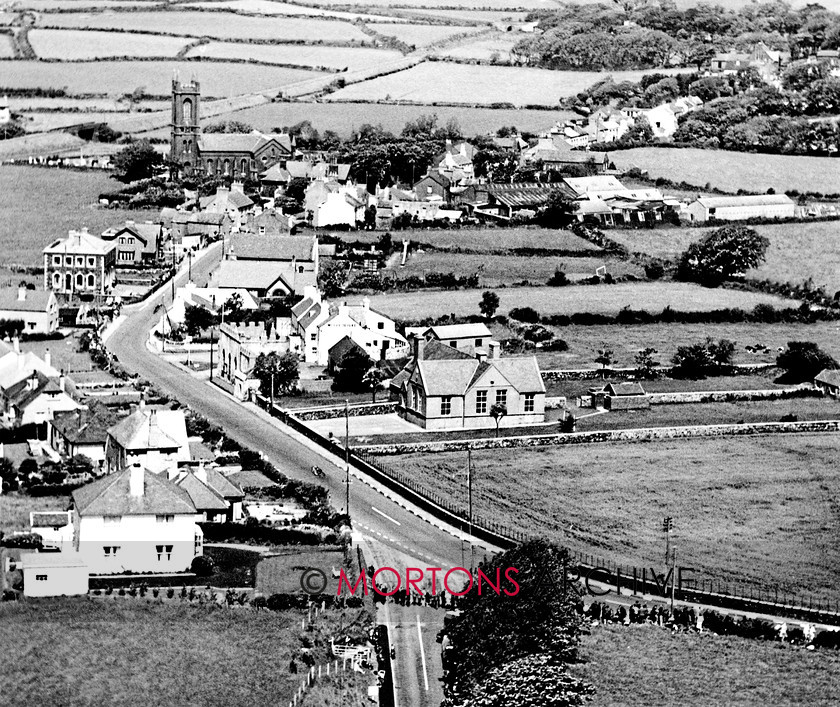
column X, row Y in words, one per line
column 139, row 160
column 277, row 374
column 722, row 254
column 707, row 358
column 803, row 360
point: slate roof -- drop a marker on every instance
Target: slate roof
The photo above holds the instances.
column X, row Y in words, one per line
column 110, row 495
column 344, row 346
column 250, row 478
column 248, row 246
column 45, row 519
column 711, row 202
column 34, row 300
column 50, row 560
column 276, row 173
column 597, row 183
column 146, row 232
column 624, row 389
column 80, row 243
column 230, row 142
column 148, row 428
column 85, row 426
column 252, row 274
column 21, row 396
column 223, row 486
column 202, row 496
column 829, row 376
column 460, row 331
column 226, row 199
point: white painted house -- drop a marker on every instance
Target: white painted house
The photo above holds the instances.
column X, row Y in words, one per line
column 135, row 521
column 37, row 309
column 156, row 439
column 740, row 208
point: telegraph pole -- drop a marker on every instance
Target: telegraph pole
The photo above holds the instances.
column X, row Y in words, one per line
column 667, row 527
column 469, row 511
column 211, row 355
column 347, row 458
column 189, row 253
column 673, row 579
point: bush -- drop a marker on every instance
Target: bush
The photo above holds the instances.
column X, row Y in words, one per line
column 23, row 541
column 525, row 314
column 202, row 566
column 259, row 602
column 558, row 279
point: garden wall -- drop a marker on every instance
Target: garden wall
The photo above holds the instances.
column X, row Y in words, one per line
column 633, row 435
column 561, row 374
column 731, row 396
column 334, row 411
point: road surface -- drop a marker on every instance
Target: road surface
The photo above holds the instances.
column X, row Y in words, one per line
column 396, row 537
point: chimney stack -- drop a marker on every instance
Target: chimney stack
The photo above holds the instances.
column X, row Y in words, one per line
column 21, row 294
column 494, row 349
column 201, row 473
column 418, row 345
column 137, row 481
column 48, row 357
column 16, row 344
column 366, row 302
column 481, row 355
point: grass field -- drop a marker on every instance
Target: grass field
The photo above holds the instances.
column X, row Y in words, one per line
column 461, row 83
column 15, row 509
column 609, row 299
column 647, row 665
column 282, row 574
column 194, row 655
column 483, row 48
column 764, row 381
column 626, row 341
column 120, row 77
column 753, row 509
column 74, row 45
column 213, row 24
column 497, row 270
column 346, row 117
column 451, row 4
column 487, row 16
column 797, row 251
column 333, row 57
column 270, row 7
column 6, row 48
column 420, row 35
column 69, row 202
column 487, row 240
column 734, row 170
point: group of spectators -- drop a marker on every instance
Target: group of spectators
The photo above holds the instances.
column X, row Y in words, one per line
column 441, row 600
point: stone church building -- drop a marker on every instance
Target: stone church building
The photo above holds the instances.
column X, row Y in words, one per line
column 235, row 155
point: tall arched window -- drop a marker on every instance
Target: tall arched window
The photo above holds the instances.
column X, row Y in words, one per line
column 91, row 281
column 56, row 281
column 244, row 165
column 211, row 167
column 80, row 281
column 226, row 167
column 188, row 112
column 68, row 283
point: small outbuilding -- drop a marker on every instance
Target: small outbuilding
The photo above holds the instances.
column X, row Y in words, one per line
column 620, row 396
column 828, row 381
column 54, row 574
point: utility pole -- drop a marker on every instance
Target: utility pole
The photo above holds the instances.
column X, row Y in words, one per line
column 347, row 458
column 469, row 511
column 173, row 272
column 211, row 355
column 667, row 527
column 189, row 253
column 673, row 579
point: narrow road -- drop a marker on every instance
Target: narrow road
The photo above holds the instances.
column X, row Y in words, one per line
column 399, row 538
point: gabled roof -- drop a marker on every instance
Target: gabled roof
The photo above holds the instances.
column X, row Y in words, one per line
column 85, row 426
column 277, row 174
column 829, row 376
column 274, row 223
column 226, row 199
column 253, row 274
column 595, row 183
column 460, row 331
column 145, row 232
column 33, row 300
column 230, row 142
column 202, row 496
column 623, row 389
column 711, row 202
column 110, row 496
column 447, row 377
column 79, row 243
column 344, row 346
column 226, row 488
column 21, row 395
column 148, row 428
column 247, row 246
column 523, row 372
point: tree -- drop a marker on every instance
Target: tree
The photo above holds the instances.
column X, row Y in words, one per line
column 604, row 357
column 558, row 211
column 138, row 160
column 497, row 412
column 197, row 319
column 9, row 479
column 277, row 372
column 331, row 279
column 233, row 308
column 489, row 304
column 11, row 129
column 228, row 126
column 724, row 253
column 646, row 363
column 373, row 380
column 703, row 359
column 803, row 360
column 352, row 370
column 296, row 189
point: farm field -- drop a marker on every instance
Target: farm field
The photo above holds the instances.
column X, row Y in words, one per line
column 6, row 48
column 712, row 414
column 26, row 231
column 82, row 105
column 626, row 341
column 432, row 5
column 731, row 171
column 752, row 509
column 75, row 45
column 797, row 251
column 487, row 16
column 35, row 122
column 483, row 48
column 212, row 24
column 346, row 117
column 420, row 35
column 460, row 83
column 573, row 388
column 496, row 270
column 486, row 240
column 697, row 670
column 607, row 299
column 119, row 77
column 269, row 7
column 216, row 657
column 331, row 57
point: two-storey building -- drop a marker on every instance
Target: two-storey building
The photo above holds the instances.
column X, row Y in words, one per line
column 80, row 264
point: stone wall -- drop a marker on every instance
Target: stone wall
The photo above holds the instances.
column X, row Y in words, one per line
column 633, row 435
column 334, row 411
column 731, row 396
column 746, row 369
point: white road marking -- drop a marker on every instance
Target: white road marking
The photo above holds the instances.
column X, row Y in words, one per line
column 384, row 515
column 422, row 653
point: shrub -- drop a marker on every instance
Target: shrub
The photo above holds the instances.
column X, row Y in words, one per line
column 170, row 593
column 259, row 602
column 525, row 314
column 558, row 279
column 202, row 566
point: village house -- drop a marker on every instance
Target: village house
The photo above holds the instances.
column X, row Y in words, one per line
column 456, row 163
column 35, row 400
column 269, row 222
column 321, row 326
column 328, row 203
column 193, row 229
column 739, row 208
column 269, row 265
column 605, row 199
column 345, row 347
column 468, row 338
column 828, row 381
column 434, row 186
column 213, row 299
column 443, row 388
column 767, row 62
column 241, row 344
column 279, row 176
column 135, row 521
column 54, row 527
column 506, row 201
column 154, row 438
column 215, row 498
column 15, row 365
column 137, row 243
column 80, row 264
column 82, row 431
column 37, row 309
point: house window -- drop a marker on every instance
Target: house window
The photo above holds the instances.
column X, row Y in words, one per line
column 479, row 342
column 113, row 519
column 481, row 402
column 111, row 550
column 380, row 325
column 313, row 337
column 529, row 402
column 40, row 578
column 56, row 260
column 501, row 397
column 80, row 261
column 126, row 255
column 164, row 552
column 453, row 344
column 80, row 281
column 300, row 268
column 262, row 230
column 91, row 262
column 56, row 280
column 446, row 405
column 91, row 281
column 68, row 260
column 165, row 518
column 121, row 240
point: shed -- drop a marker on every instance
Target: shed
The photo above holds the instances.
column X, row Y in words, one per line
column 54, row 574
column 625, row 396
column 828, row 381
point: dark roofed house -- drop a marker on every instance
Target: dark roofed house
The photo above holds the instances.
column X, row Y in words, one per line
column 83, row 431
column 136, row 242
column 339, row 350
column 828, row 381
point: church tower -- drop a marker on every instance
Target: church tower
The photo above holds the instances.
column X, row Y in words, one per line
column 186, row 130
